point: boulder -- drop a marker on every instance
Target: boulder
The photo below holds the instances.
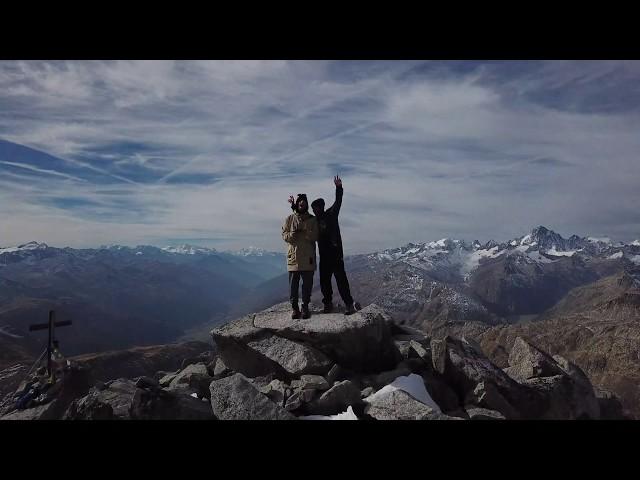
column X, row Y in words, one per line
column 399, row 405
column 403, row 347
column 366, row 392
column 486, row 395
column 276, row 391
column 386, row 378
column 418, row 350
column 193, row 379
column 360, row 342
column 161, row 405
column 336, row 399
column 166, row 380
column 335, row 374
column 473, row 377
column 40, row 412
column 562, row 399
column 235, row 398
column 147, row 382
column 220, row 369
column 111, row 403
column 257, row 351
column 610, row 406
column 441, row 393
column 477, row 413
column 526, row 361
column 295, row 358
column 316, row 382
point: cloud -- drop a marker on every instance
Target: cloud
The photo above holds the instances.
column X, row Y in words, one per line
column 158, row 151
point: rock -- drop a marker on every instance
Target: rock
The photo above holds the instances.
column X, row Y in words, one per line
column 417, row 350
column 112, row 403
column 416, row 365
column 441, row 393
column 399, row 405
column 294, row 402
column 147, row 382
column 166, row 380
column 276, row 390
column 366, row 392
column 360, row 342
column 487, row 396
column 40, row 412
column 610, row 406
column 257, row 351
column 316, row 382
column 573, row 371
column 463, row 367
column 220, row 369
column 235, row 398
column 386, row 378
column 563, row 399
column 403, row 347
column 204, row 357
column 193, row 379
column 526, row 361
column 334, row 374
column 159, row 405
column 477, row 413
column 294, row 358
column 336, row 399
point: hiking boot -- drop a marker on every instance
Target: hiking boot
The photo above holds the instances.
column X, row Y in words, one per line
column 295, row 314
column 305, row 312
column 328, row 308
column 350, row 310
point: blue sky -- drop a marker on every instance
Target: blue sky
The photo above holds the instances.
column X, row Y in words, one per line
column 161, row 152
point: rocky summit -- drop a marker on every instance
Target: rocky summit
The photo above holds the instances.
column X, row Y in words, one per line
column 331, row 366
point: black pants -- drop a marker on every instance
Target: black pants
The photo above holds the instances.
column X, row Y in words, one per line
column 294, row 285
column 330, row 265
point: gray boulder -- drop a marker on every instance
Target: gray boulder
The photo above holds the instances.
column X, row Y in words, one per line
column 464, row 367
column 399, row 405
column 41, row 412
column 254, row 351
column 360, row 342
column 526, row 361
column 477, row 413
column 235, row 398
column 111, row 403
column 276, row 391
column 336, row 399
column 193, row 379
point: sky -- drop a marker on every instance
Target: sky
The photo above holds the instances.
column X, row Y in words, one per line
column 207, row 152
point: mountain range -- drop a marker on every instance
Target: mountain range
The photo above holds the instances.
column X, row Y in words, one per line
column 576, row 297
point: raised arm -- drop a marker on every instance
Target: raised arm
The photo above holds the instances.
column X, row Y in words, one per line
column 338, row 203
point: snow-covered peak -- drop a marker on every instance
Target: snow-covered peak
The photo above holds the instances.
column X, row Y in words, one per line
column 605, row 240
column 24, row 247
column 250, row 251
column 636, row 243
column 189, row 250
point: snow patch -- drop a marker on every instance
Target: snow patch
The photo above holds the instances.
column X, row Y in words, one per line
column 635, row 259
column 615, row 255
column 636, row 243
column 599, row 240
column 553, row 251
column 413, row 385
column 473, row 260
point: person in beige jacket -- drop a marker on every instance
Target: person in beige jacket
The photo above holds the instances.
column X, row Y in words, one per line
column 300, row 231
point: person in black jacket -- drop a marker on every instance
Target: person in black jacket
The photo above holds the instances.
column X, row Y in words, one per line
column 330, row 249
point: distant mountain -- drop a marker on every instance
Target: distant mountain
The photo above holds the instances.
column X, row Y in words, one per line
column 119, row 296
